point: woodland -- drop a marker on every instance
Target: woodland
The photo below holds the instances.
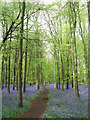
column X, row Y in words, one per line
column 44, row 53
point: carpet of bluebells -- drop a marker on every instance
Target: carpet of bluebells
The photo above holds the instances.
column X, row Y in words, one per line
column 64, row 104
column 10, row 101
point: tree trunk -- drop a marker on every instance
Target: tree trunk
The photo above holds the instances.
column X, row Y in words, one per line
column 25, row 72
column 37, row 85
column 41, row 70
column 68, row 66
column 3, row 58
column 58, row 69
column 41, row 74
column 2, row 75
column 9, row 75
column 75, row 55
column 89, row 45
column 75, row 68
column 38, row 76
column 17, row 81
column 9, row 67
column 6, row 59
column 28, row 68
column 71, row 44
column 6, row 75
column 20, row 104
column 55, row 67
column 89, row 59
column 62, row 73
column 62, row 57
column 38, row 73
column 15, row 71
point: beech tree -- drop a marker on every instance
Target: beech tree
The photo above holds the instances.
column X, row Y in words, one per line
column 20, row 104
column 89, row 42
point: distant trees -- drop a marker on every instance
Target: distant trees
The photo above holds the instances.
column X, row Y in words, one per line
column 67, row 43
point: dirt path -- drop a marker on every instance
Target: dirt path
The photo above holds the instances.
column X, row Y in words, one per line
column 38, row 106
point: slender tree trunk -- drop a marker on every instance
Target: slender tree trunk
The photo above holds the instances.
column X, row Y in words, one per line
column 25, row 72
column 20, row 104
column 71, row 43
column 89, row 45
column 9, row 67
column 67, row 54
column 58, row 69
column 17, row 81
column 41, row 73
column 38, row 77
column 62, row 73
column 6, row 59
column 75, row 67
column 9, row 75
column 75, row 55
column 55, row 67
column 15, row 71
column 89, row 59
column 72, row 59
column 38, row 72
column 33, row 75
column 68, row 67
column 62, row 58
column 37, row 55
column 3, row 58
column 6, row 75
column 41, row 70
column 2, row 75
column 28, row 69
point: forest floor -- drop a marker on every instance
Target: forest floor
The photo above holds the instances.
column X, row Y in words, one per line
column 9, row 101
column 38, row 106
column 47, row 102
column 64, row 104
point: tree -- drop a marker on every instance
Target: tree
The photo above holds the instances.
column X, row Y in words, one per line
column 89, row 43
column 25, row 72
column 89, row 59
column 20, row 104
column 9, row 66
column 75, row 50
column 15, row 70
column 61, row 56
column 71, row 43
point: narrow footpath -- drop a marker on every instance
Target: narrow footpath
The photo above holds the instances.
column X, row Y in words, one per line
column 39, row 105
